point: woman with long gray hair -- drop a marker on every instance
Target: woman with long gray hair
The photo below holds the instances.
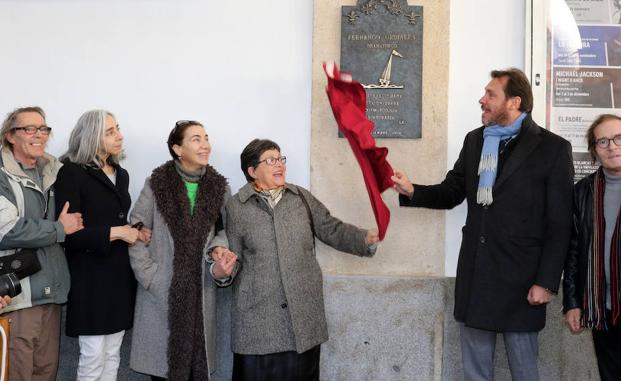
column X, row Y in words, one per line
column 101, row 300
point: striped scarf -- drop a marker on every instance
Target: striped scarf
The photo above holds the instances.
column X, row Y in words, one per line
column 271, row 196
column 594, row 304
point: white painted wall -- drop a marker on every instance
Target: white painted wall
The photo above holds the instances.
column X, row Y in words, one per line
column 241, row 67
column 485, row 35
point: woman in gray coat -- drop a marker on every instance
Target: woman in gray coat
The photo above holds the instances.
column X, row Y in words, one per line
column 278, row 318
column 174, row 326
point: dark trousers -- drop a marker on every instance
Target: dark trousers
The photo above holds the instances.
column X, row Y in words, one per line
column 608, row 352
column 283, row 366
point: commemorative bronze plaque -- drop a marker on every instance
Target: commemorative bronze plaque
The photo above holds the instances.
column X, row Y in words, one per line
column 381, row 45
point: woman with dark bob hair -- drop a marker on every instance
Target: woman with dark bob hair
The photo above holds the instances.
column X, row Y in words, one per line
column 278, row 318
column 591, row 282
column 175, row 327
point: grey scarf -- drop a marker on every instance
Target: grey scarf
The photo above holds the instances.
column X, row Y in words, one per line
column 190, row 176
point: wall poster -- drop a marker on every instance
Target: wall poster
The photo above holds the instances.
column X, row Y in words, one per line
column 582, row 67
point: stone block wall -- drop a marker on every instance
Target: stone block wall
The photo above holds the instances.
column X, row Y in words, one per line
column 394, row 328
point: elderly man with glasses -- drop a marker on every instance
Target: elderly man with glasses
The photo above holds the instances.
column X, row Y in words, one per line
column 28, row 228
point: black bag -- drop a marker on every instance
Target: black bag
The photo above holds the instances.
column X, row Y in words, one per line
column 23, row 263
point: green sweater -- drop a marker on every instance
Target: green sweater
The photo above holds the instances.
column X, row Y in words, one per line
column 191, row 188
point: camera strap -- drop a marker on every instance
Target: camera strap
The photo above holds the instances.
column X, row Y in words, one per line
column 15, row 184
column 23, row 262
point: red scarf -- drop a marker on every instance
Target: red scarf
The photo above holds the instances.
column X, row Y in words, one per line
column 349, row 105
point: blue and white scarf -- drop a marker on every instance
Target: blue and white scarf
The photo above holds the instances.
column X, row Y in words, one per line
column 488, row 165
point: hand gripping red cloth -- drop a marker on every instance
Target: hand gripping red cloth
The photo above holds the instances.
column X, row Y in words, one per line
column 349, row 105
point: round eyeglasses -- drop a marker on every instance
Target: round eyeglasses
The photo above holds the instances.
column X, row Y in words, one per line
column 605, row 142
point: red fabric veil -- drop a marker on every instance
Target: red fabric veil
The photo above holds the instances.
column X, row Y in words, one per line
column 349, row 105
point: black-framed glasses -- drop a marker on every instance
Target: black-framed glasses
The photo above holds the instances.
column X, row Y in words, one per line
column 31, row 130
column 271, row 161
column 605, row 142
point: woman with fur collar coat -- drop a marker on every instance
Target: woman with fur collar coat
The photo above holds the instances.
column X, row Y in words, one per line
column 188, row 257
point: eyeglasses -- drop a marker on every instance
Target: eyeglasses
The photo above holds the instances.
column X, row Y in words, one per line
column 184, row 123
column 605, row 142
column 271, row 161
column 31, row 130
column 181, row 124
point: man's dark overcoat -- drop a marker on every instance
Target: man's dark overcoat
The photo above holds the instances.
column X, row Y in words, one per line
column 520, row 239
